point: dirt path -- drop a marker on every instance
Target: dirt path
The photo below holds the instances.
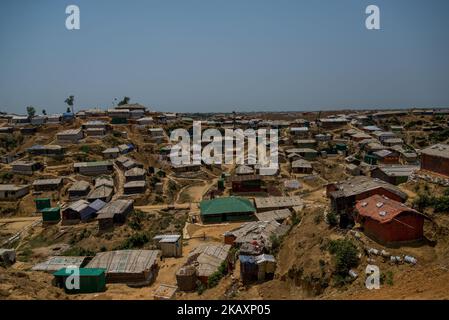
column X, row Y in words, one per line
column 119, row 190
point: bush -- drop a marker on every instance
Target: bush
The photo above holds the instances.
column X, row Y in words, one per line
column 332, row 218
column 137, row 240
column 135, row 220
column 6, row 176
column 200, row 288
column 422, row 202
column 346, row 256
column 296, row 219
column 440, row 204
column 215, row 277
column 85, row 149
column 275, row 244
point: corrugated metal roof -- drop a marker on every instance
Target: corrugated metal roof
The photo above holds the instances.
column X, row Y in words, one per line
column 274, row 215
column 58, row 262
column 167, row 238
column 209, row 258
column 79, row 186
column 381, row 208
column 115, row 207
column 12, row 187
column 359, row 184
column 278, row 202
column 125, row 261
column 40, row 182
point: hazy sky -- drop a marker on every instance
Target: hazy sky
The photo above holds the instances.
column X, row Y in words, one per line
column 213, row 56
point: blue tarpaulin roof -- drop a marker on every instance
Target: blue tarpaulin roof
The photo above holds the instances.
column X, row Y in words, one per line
column 246, row 259
column 97, row 205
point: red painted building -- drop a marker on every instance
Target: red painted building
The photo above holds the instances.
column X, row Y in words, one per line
column 345, row 194
column 388, row 221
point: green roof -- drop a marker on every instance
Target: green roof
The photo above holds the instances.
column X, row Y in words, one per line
column 86, row 272
column 226, row 205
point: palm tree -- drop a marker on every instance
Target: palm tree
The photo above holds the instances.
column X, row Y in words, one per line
column 70, row 101
column 124, row 101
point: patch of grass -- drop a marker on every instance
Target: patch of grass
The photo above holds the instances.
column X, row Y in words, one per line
column 137, row 240
column 25, row 255
column 387, row 278
column 275, row 244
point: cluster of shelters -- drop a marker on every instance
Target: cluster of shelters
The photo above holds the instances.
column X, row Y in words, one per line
column 202, row 262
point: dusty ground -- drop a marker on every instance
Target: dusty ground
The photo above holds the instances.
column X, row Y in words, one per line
column 304, row 268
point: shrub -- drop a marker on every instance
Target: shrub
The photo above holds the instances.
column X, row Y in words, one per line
column 332, row 218
column 275, row 244
column 387, row 278
column 137, row 240
column 6, row 176
column 135, row 220
column 200, row 288
column 215, row 277
column 440, row 204
column 296, row 219
column 85, row 149
column 346, row 256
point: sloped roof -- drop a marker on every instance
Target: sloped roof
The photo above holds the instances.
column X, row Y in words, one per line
column 39, row 182
column 273, row 215
column 125, row 261
column 301, row 163
column 437, row 150
column 114, row 207
column 278, row 202
column 58, row 262
column 359, row 184
column 12, row 187
column 226, row 205
column 382, row 209
column 209, row 258
column 79, row 205
column 79, row 186
column 135, row 172
column 260, row 231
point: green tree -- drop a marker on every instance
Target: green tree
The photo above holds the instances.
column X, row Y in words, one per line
column 124, row 101
column 44, row 112
column 31, row 111
column 346, row 256
column 70, row 101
